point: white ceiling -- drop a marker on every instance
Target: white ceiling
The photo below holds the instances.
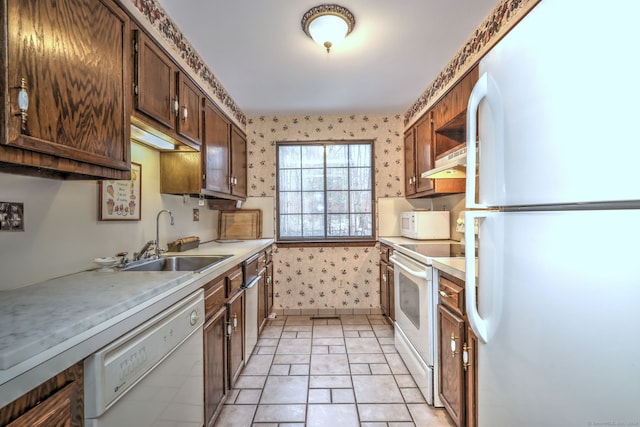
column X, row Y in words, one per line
column 259, row 52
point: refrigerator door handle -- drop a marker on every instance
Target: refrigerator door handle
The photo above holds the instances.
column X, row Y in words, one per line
column 477, row 323
column 485, row 88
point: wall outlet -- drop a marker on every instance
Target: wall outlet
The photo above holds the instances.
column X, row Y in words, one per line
column 196, row 214
column 11, row 216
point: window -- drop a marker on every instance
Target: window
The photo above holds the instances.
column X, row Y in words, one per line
column 325, row 191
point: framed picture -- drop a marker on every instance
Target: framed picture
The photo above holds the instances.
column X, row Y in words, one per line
column 121, row 200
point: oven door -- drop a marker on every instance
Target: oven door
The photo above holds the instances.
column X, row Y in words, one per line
column 414, row 304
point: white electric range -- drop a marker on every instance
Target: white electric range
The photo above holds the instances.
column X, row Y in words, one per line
column 416, row 300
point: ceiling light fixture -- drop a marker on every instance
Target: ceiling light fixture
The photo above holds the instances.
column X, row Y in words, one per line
column 328, row 24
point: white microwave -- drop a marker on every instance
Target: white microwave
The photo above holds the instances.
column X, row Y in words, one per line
column 425, row 225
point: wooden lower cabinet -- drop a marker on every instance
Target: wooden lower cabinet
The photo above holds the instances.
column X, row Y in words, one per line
column 269, row 286
column 387, row 300
column 235, row 317
column 55, row 403
column 215, row 365
column 451, row 330
column 457, row 354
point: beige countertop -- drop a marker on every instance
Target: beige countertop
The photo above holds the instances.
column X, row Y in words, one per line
column 49, row 326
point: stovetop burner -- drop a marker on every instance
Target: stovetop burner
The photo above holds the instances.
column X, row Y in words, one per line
column 436, row 250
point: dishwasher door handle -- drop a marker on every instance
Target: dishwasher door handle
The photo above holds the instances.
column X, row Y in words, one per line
column 252, row 283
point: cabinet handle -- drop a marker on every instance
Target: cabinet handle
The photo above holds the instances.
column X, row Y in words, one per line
column 384, row 277
column 443, row 294
column 185, row 114
column 235, row 321
column 465, row 356
column 228, row 330
column 176, row 106
column 23, row 104
column 453, row 344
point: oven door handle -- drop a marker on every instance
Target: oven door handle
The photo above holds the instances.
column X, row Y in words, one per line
column 398, row 262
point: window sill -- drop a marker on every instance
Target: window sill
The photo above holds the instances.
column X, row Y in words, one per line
column 325, row 243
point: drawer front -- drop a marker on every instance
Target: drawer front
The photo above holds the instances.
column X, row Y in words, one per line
column 215, row 295
column 451, row 292
column 385, row 252
column 234, row 280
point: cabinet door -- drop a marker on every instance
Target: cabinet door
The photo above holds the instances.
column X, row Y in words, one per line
column 269, row 285
column 236, row 338
column 73, row 57
column 384, row 288
column 154, row 82
column 472, row 379
column 238, row 163
column 215, row 365
column 190, row 111
column 409, row 163
column 262, row 299
column 451, row 331
column 424, row 153
column 391, row 290
column 215, row 153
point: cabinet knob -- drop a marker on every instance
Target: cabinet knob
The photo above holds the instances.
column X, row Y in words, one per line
column 185, row 114
column 443, row 294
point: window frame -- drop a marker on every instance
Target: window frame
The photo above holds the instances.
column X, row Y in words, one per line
column 326, row 239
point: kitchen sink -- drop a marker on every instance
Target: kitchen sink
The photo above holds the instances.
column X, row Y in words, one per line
column 177, row 263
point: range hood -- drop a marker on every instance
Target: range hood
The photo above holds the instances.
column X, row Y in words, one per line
column 453, row 165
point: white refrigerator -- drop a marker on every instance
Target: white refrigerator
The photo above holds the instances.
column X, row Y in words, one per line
column 557, row 306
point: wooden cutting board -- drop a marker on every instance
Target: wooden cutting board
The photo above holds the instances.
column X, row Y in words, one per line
column 243, row 224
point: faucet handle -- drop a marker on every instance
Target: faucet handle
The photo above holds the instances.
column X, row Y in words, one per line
column 123, row 260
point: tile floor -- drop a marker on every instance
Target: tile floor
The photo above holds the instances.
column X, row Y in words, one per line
column 335, row 372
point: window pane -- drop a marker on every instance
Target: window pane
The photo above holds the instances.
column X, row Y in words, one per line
column 338, row 179
column 290, row 225
column 290, row 203
column 360, row 201
column 325, row 190
column 313, row 226
column 361, row 225
column 290, row 180
column 312, row 179
column 337, row 155
column 338, row 225
column 313, row 202
column 360, row 155
column 289, row 156
column 312, row 156
column 360, row 179
column 337, row 202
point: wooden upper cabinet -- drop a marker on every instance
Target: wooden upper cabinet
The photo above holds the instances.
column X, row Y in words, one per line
column 238, row 163
column 73, row 58
column 167, row 102
column 216, row 150
column 424, row 153
column 190, row 109
column 154, row 90
column 409, row 162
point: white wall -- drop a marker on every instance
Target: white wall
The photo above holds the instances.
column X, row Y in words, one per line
column 62, row 233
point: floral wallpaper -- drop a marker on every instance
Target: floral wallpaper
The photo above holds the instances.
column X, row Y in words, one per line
column 326, row 277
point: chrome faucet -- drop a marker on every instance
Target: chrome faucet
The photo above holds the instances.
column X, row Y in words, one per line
column 144, row 252
column 158, row 230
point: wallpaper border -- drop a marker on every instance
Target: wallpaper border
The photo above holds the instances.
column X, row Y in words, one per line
column 503, row 17
column 160, row 20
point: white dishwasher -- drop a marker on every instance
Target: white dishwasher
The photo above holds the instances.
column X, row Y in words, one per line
column 153, row 375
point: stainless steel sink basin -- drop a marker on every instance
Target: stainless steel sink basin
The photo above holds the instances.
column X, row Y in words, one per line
column 177, row 263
